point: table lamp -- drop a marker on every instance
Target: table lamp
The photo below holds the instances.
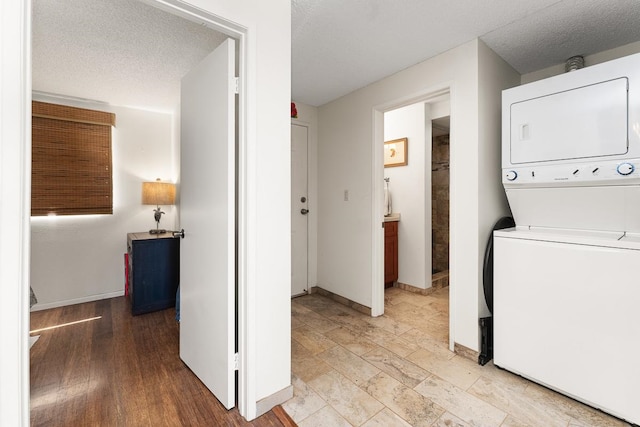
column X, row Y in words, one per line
column 158, row 193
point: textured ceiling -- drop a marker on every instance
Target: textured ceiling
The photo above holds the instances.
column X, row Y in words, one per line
column 128, row 53
column 565, row 29
column 339, row 46
column 123, row 52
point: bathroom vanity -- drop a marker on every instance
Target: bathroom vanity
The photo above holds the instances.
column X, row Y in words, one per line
column 391, row 249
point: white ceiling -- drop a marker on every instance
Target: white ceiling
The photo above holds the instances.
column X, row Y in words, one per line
column 128, row 53
column 339, row 46
column 122, row 52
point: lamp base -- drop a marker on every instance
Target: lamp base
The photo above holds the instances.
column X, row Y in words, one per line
column 156, row 231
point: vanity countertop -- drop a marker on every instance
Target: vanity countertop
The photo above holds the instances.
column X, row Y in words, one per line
column 395, row 216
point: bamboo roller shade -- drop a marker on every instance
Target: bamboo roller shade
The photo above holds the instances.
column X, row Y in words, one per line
column 71, row 160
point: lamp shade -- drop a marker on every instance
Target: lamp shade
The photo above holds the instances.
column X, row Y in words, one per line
column 158, row 193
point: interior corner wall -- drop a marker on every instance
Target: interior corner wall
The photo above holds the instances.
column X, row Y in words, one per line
column 345, row 160
column 596, row 58
column 407, row 186
column 495, row 75
column 79, row 258
column 308, row 116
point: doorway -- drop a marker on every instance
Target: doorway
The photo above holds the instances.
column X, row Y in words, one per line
column 418, row 191
column 211, row 21
column 431, row 105
column 263, row 214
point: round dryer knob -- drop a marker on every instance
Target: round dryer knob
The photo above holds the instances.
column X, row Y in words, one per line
column 625, row 168
column 512, row 175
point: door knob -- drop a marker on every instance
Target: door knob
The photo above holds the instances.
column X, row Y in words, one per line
column 178, row 233
column 304, row 211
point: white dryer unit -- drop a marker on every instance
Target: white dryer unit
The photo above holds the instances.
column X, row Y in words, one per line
column 566, row 287
column 567, row 140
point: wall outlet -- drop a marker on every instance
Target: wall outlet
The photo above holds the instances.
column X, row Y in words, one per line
column 346, row 195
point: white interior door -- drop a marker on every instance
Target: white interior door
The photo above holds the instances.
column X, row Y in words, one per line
column 207, row 214
column 299, row 209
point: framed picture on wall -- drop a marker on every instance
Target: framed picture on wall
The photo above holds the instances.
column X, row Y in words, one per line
column 395, row 153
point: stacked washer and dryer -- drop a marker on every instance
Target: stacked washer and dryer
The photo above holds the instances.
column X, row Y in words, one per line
column 566, row 302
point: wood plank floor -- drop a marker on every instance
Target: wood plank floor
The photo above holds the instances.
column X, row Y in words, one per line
column 119, row 370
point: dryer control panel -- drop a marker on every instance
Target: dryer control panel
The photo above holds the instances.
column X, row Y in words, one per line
column 613, row 172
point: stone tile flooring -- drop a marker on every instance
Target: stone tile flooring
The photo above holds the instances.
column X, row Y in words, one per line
column 349, row 369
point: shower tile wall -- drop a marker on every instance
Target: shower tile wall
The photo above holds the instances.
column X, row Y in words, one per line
column 440, row 203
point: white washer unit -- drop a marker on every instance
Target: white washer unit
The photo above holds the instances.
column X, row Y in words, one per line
column 567, row 278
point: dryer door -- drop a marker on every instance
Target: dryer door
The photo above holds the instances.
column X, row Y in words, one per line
column 589, row 121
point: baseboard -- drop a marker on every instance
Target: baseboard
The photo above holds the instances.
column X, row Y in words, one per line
column 465, row 352
column 55, row 304
column 265, row 405
column 342, row 300
column 439, row 280
column 415, row 289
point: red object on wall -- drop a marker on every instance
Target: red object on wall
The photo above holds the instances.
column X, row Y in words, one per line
column 126, row 275
column 294, row 111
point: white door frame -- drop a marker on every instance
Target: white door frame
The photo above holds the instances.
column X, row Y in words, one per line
column 377, row 177
column 15, row 197
column 246, row 389
column 15, row 191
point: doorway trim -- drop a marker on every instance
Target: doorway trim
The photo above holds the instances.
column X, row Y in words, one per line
column 377, row 167
column 15, row 181
column 246, row 387
column 15, row 190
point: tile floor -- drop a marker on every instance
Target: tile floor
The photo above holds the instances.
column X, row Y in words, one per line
column 349, row 369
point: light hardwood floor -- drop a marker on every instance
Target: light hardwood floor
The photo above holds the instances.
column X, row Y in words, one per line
column 396, row 370
column 119, row 370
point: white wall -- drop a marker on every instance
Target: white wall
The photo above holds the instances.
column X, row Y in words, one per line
column 308, row 116
column 494, row 75
column 345, row 228
column 80, row 258
column 265, row 347
column 408, row 186
column 346, row 127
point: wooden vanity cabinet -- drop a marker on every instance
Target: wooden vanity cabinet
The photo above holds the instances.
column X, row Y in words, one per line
column 390, row 253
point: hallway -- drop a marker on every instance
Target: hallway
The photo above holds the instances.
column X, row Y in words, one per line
column 349, row 369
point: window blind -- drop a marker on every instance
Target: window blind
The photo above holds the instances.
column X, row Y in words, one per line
column 71, row 160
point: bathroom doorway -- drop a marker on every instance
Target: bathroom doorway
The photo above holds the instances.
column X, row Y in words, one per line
column 418, row 190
